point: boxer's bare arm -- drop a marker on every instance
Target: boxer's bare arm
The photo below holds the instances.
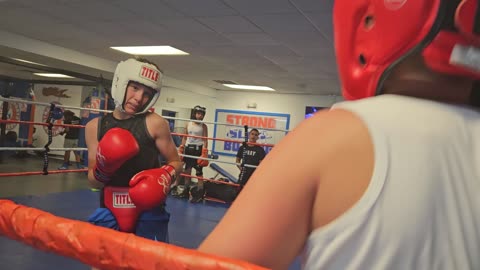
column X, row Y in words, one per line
column 272, row 217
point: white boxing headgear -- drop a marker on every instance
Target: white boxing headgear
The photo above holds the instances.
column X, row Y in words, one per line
column 137, row 71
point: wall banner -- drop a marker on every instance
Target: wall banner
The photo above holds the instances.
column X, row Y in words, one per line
column 272, row 127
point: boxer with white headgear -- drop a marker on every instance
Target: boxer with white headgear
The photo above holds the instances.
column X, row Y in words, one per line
column 123, row 153
column 143, row 72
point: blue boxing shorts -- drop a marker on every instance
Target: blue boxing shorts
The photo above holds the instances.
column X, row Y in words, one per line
column 152, row 224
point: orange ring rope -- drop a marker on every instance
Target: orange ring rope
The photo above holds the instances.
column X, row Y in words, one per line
column 39, row 123
column 41, row 172
column 173, row 133
column 100, row 247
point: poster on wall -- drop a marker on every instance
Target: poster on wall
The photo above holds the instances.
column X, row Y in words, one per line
column 272, row 127
column 19, row 111
column 67, row 95
column 13, row 114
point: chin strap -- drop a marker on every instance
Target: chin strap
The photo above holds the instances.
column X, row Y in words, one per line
column 475, row 94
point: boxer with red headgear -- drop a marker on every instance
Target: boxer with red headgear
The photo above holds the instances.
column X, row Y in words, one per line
column 123, row 154
column 392, row 180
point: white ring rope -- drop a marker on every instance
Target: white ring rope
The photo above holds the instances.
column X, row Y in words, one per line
column 13, row 100
column 40, row 149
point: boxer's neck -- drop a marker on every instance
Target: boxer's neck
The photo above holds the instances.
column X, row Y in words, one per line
column 413, row 78
column 118, row 114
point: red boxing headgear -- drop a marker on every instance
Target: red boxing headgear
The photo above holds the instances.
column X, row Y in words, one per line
column 372, row 36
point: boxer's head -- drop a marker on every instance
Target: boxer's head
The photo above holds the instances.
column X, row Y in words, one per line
column 253, row 135
column 136, row 73
column 68, row 115
column 199, row 112
column 372, row 37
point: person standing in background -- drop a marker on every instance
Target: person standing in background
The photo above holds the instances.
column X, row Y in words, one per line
column 193, row 146
column 71, row 139
column 253, row 155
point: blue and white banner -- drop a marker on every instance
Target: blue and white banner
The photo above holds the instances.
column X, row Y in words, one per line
column 272, row 127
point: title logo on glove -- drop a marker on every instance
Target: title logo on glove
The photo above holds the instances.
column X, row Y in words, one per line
column 100, row 157
column 164, row 181
column 149, row 74
column 122, row 200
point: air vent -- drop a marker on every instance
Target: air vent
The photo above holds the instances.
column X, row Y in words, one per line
column 224, row 82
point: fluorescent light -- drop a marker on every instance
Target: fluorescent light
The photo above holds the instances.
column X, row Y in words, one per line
column 150, row 50
column 53, row 75
column 25, row 61
column 249, row 87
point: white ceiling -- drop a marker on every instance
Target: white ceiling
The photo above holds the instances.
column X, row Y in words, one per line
column 284, row 44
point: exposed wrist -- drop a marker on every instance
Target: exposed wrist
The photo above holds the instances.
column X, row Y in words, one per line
column 101, row 176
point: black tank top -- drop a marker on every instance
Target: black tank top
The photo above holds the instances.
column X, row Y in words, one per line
column 148, row 156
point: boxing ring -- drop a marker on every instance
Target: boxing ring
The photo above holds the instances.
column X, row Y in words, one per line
column 82, row 241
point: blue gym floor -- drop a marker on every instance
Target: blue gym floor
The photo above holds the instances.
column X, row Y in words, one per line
column 67, row 195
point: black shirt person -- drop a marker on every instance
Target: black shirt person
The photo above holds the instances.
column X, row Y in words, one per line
column 254, row 154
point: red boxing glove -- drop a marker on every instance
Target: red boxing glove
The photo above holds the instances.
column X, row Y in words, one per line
column 117, row 146
column 149, row 188
column 181, row 149
column 202, row 162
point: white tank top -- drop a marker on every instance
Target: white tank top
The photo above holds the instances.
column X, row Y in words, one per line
column 422, row 207
column 195, row 130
